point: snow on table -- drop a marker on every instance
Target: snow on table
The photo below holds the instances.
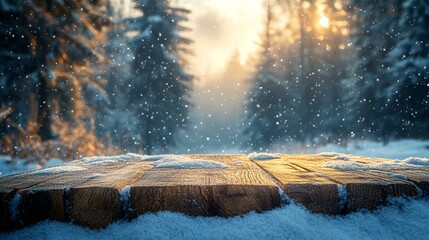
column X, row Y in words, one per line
column 95, row 192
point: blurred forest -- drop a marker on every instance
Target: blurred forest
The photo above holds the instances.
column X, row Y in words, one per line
column 83, row 78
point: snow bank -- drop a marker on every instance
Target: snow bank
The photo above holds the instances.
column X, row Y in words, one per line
column 7, row 167
column 59, row 169
column 111, row 159
column 380, row 164
column 53, row 162
column 178, row 161
column 395, row 150
column 417, row 161
column 263, row 156
column 406, row 219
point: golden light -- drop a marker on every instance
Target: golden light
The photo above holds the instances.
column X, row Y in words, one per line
column 324, row 22
column 306, row 5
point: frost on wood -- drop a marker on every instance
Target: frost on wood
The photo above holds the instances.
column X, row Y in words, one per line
column 59, row 169
column 339, row 156
column 379, row 164
column 263, row 156
column 111, row 159
column 177, row 161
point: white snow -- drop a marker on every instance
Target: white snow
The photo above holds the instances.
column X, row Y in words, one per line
column 179, row 161
column 342, row 195
column 156, row 157
column 53, row 162
column 100, row 160
column 406, row 219
column 155, row 18
column 395, row 175
column 59, row 169
column 125, row 194
column 340, row 156
column 7, row 166
column 13, row 205
column 417, row 161
column 379, row 164
column 395, row 150
column 262, row 156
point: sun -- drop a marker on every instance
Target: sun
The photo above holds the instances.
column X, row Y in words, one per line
column 324, row 22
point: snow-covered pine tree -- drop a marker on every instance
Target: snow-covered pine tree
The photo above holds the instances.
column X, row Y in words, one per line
column 160, row 88
column 264, row 124
column 46, row 56
column 373, row 39
column 408, row 69
column 117, row 123
column 15, row 64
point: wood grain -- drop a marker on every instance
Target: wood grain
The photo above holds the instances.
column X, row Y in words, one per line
column 420, row 177
column 5, row 196
column 365, row 189
column 239, row 189
column 315, row 192
column 34, row 205
column 96, row 203
column 44, row 196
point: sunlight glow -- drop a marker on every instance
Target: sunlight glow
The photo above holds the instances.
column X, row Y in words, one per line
column 324, row 22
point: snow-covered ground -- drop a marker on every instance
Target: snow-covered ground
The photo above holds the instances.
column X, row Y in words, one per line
column 10, row 166
column 396, row 150
column 405, row 219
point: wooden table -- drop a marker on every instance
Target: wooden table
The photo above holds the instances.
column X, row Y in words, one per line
column 95, row 195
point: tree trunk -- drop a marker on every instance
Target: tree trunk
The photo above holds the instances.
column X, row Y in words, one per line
column 44, row 112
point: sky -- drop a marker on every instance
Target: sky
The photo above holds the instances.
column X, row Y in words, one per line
column 221, row 28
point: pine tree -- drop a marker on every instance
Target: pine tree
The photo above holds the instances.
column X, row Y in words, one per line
column 373, row 39
column 161, row 87
column 15, row 63
column 264, row 124
column 408, row 93
column 116, row 123
column 333, row 66
column 316, row 59
column 47, row 51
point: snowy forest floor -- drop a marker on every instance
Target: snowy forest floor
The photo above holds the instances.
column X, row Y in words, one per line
column 404, row 219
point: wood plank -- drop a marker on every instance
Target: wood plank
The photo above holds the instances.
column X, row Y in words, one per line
column 420, row 177
column 241, row 188
column 47, row 200
column 5, row 197
column 97, row 203
column 43, row 196
column 12, row 185
column 314, row 191
column 365, row 189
